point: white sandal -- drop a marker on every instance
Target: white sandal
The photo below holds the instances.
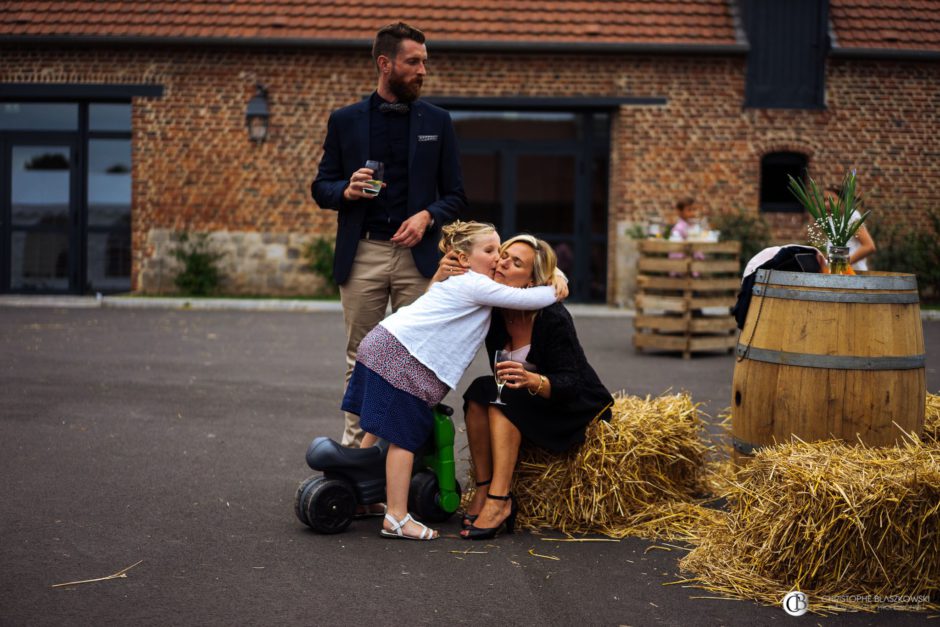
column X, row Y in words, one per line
column 397, row 529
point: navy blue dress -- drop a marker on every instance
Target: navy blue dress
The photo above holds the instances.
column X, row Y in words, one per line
column 578, row 397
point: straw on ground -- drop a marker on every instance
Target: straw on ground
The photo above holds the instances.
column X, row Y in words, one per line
column 121, row 574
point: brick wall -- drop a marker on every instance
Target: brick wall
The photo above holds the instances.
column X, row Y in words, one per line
column 195, row 169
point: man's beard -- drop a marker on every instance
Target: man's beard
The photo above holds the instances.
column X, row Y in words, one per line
column 404, row 91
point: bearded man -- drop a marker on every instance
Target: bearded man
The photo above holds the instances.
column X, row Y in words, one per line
column 386, row 244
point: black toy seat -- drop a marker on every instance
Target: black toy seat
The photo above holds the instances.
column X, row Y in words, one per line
column 325, row 454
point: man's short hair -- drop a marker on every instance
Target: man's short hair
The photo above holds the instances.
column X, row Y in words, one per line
column 389, row 38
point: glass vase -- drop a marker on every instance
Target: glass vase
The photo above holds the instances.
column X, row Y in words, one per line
column 839, row 260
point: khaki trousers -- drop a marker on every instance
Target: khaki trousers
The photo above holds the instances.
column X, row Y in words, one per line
column 381, row 273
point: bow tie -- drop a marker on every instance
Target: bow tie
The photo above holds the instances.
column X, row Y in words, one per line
column 400, row 108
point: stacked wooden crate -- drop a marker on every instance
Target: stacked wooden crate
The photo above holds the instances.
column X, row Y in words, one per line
column 684, row 294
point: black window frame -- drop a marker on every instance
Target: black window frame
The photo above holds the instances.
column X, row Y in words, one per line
column 83, row 95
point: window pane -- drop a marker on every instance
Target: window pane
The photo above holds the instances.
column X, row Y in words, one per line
column 599, row 191
column 109, row 117
column 109, row 261
column 481, row 176
column 39, row 261
column 545, row 188
column 601, row 125
column 776, row 168
column 598, row 272
column 29, row 116
column 40, row 186
column 564, row 253
column 109, row 182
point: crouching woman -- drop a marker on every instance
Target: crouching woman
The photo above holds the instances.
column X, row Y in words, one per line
column 551, row 393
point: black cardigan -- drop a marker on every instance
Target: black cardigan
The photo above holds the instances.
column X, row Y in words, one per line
column 577, row 394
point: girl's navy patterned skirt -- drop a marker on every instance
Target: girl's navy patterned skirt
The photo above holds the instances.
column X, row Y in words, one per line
column 392, row 392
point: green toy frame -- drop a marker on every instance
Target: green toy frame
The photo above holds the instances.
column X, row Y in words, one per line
column 441, row 459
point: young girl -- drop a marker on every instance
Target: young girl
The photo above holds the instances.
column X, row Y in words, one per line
column 686, row 212
column 407, row 363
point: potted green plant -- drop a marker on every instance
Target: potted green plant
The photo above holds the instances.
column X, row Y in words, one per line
column 832, row 217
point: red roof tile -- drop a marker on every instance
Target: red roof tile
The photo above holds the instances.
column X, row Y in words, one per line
column 857, row 24
column 670, row 22
column 892, row 25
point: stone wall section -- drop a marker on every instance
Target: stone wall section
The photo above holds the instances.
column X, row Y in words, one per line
column 195, row 169
column 251, row 264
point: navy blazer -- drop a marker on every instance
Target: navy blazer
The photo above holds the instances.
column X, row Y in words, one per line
column 434, row 179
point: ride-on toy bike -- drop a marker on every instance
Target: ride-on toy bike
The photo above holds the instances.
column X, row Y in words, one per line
column 352, row 477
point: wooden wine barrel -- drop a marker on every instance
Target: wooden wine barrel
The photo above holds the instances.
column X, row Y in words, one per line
column 824, row 356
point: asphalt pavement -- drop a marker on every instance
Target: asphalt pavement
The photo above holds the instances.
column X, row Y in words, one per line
column 176, row 439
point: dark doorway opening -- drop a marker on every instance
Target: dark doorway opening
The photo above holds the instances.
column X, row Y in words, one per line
column 543, row 173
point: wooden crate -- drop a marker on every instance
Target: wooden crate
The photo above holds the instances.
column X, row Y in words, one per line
column 676, row 283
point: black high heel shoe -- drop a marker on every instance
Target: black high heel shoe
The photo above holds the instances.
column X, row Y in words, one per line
column 476, row 533
column 468, row 519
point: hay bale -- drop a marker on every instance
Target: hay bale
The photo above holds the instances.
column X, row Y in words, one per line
column 638, row 474
column 848, row 525
column 932, row 419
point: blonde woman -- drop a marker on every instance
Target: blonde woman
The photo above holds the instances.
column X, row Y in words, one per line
column 551, row 392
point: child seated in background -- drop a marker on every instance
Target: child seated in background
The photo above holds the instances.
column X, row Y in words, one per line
column 686, row 211
column 685, row 226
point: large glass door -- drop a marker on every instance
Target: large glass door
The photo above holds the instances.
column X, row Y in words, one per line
column 545, row 174
column 65, row 197
column 39, row 214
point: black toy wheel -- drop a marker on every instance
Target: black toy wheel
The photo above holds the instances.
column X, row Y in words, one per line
column 328, row 505
column 423, row 498
column 299, row 498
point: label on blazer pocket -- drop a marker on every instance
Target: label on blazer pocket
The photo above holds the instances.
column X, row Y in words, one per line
column 428, row 138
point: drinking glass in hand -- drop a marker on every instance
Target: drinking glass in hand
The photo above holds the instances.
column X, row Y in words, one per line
column 499, row 357
column 374, row 186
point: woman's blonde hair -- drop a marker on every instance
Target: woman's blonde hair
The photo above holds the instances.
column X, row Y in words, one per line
column 543, row 267
column 459, row 236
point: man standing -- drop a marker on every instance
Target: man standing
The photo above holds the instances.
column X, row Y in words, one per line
column 386, row 244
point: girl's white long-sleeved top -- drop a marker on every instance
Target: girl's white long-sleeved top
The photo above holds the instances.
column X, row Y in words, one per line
column 445, row 327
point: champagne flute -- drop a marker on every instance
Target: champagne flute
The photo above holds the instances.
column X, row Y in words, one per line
column 500, row 355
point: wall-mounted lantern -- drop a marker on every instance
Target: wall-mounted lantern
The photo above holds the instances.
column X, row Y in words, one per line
column 256, row 116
